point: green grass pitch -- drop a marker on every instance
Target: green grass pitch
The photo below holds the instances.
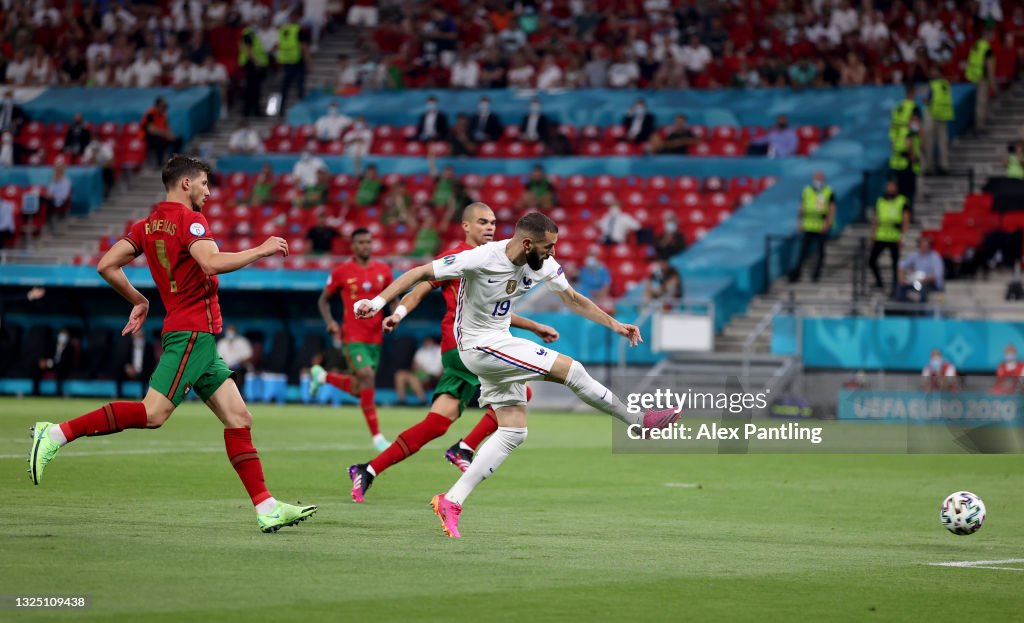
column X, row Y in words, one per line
column 154, row 526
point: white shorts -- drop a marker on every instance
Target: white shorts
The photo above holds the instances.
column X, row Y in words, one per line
column 362, row 16
column 504, row 366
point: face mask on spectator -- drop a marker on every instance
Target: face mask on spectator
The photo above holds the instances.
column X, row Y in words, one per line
column 534, row 108
column 671, row 227
column 817, row 184
column 332, row 111
column 591, row 261
column 431, row 106
column 484, row 108
column 935, row 363
column 230, row 334
column 638, row 109
column 1010, row 356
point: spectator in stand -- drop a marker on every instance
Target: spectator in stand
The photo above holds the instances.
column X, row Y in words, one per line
column 450, row 193
column 465, row 71
column 492, row 70
column 803, row 74
column 550, row 75
column 363, row 13
column 157, row 129
column 428, row 239
column 670, row 241
column 460, row 141
column 594, row 280
column 398, row 206
column 245, row 140
column 9, row 155
column 100, row 153
column 135, row 360
column 262, row 192
column 939, row 374
column 358, row 140
column 539, row 191
column 623, row 73
column 426, row 370
column 18, row 69
column 318, row 194
column 616, row 225
column 485, row 125
column 322, row 235
column 58, row 192
column 536, row 127
column 332, row 125
column 922, row 272
column 306, row 169
column 8, row 227
column 664, row 284
column 171, row 56
column 212, row 73
column 1014, row 161
column 780, row 142
column 695, row 58
column 236, row 351
column 100, row 73
column 62, row 362
column 1008, row 373
column 521, row 74
column 293, row 57
column 370, row 188
column 123, row 76
column 147, row 70
column 41, row 70
column 347, row 82
column 74, row 70
column 433, row 124
column 77, row 137
column 678, row 139
column 99, row 47
column 638, row 123
column 853, row 72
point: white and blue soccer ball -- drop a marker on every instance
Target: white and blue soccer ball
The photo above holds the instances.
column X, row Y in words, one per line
column 962, row 513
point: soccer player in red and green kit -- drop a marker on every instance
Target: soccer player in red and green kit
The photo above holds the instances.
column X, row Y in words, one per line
column 184, row 261
column 361, row 338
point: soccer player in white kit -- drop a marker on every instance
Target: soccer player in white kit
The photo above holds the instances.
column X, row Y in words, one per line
column 493, row 276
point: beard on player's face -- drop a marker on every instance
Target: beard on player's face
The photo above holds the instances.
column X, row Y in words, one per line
column 533, row 259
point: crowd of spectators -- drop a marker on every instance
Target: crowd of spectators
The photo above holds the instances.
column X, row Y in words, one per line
column 658, row 44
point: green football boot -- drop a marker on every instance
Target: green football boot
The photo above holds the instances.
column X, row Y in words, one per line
column 44, row 449
column 284, row 515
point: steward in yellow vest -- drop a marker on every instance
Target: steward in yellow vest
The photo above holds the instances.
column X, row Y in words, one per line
column 891, row 221
column 817, row 213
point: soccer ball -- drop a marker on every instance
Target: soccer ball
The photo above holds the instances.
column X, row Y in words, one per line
column 962, row 513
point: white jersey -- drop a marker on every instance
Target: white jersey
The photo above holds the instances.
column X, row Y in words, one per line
column 490, row 284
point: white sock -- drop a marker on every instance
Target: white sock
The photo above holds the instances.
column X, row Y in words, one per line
column 370, row 469
column 57, row 434
column 598, row 396
column 379, row 437
column 465, row 446
column 266, row 506
column 489, row 458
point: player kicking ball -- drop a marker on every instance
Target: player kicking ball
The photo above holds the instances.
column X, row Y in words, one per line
column 358, row 278
column 457, row 385
column 493, row 276
column 184, row 261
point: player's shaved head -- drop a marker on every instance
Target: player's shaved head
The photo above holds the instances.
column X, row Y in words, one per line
column 179, row 167
column 476, row 210
column 535, row 226
column 478, row 223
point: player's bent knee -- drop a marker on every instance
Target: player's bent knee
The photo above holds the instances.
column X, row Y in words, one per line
column 156, row 416
column 561, row 369
column 239, row 419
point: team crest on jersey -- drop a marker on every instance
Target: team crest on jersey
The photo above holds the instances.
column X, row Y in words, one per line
column 448, row 259
column 367, row 285
column 510, row 287
column 196, row 229
column 527, row 282
column 541, row 352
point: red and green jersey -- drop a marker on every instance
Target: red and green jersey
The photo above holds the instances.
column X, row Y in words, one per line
column 188, row 294
column 354, row 283
column 450, row 292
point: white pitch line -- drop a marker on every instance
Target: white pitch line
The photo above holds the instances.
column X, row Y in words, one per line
column 682, row 485
column 982, row 564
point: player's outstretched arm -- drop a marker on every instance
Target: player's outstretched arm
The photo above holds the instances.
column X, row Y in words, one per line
column 111, row 268
column 543, row 331
column 589, row 310
column 408, row 303
column 367, row 308
column 213, row 261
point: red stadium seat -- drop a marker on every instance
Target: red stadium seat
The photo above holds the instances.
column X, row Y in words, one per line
column 515, row 149
column 701, row 149
column 386, row 147
column 725, row 133
column 497, row 180
column 382, row 132
column 577, row 181
column 511, row 132
column 809, row 133
column 413, row 149
column 490, row 149
column 281, row 131
column 978, row 203
column 658, row 182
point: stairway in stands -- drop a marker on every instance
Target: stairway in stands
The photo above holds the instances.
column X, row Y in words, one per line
column 936, row 196
column 136, row 193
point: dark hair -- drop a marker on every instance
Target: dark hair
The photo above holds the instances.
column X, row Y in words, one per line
column 536, row 225
column 359, row 232
column 179, row 166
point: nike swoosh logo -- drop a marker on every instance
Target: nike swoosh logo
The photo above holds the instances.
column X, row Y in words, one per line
column 495, row 280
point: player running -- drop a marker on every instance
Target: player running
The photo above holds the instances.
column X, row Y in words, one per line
column 457, row 385
column 358, row 278
column 493, row 276
column 184, row 261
